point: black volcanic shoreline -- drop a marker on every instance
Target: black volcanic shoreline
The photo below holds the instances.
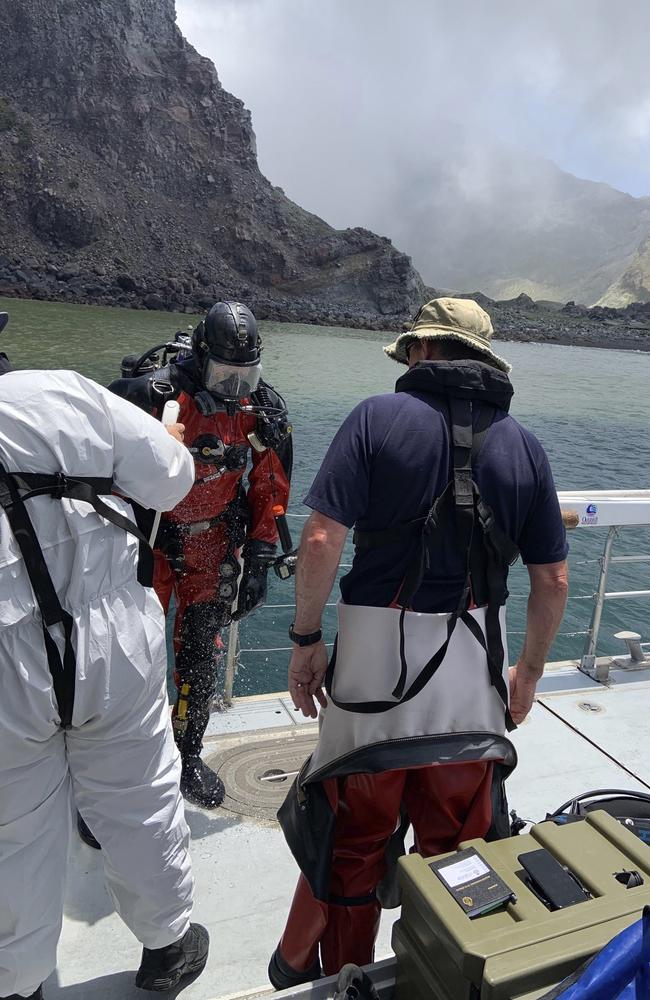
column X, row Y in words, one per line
column 600, row 341
column 519, row 320
column 525, row 321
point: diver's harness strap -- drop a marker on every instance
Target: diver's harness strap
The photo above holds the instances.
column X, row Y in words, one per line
column 15, row 489
column 489, row 553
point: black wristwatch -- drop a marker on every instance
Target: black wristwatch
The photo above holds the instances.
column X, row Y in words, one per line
column 305, row 640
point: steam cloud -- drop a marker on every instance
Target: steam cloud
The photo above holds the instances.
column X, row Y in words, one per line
column 360, row 104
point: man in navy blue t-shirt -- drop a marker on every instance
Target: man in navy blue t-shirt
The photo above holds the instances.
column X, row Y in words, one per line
column 393, row 455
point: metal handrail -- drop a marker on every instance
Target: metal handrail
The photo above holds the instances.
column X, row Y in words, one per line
column 588, row 659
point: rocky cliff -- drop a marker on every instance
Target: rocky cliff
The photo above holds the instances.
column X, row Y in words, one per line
column 128, row 176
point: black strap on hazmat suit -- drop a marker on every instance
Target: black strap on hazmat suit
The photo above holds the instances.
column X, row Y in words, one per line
column 15, row 489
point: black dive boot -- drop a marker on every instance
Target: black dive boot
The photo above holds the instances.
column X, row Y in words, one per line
column 162, row 969
column 199, row 783
column 32, row 996
column 86, row 835
column 283, row 976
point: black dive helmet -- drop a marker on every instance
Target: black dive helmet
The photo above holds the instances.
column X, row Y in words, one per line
column 227, row 346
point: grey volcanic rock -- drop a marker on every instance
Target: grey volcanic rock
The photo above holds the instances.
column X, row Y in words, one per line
column 521, row 319
column 121, row 156
column 634, row 284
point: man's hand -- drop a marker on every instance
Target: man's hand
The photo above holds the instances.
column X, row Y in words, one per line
column 307, row 669
column 522, row 692
column 177, row 431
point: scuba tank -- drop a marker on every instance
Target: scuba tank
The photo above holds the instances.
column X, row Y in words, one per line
column 178, row 349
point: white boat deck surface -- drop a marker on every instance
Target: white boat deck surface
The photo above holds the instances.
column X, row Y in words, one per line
column 581, row 735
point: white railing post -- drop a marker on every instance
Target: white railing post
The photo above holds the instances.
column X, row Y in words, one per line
column 589, row 655
column 231, row 661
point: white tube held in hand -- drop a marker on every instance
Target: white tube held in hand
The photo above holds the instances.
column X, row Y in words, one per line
column 170, row 415
column 171, row 412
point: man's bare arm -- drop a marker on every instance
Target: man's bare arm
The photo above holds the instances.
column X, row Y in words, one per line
column 319, row 555
column 318, row 559
column 549, row 586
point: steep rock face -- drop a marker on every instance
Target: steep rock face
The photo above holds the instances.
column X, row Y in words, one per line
column 128, row 175
column 634, row 283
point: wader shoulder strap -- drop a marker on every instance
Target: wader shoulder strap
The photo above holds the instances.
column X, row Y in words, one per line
column 411, row 530
column 422, row 679
column 466, row 442
column 496, row 676
column 460, row 491
column 460, row 484
column 15, row 489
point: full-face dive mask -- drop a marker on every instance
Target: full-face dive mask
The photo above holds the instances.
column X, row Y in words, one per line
column 230, row 381
column 227, row 346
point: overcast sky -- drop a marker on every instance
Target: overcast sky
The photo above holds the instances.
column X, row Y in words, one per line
column 348, row 94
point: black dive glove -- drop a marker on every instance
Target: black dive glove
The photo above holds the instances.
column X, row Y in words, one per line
column 258, row 557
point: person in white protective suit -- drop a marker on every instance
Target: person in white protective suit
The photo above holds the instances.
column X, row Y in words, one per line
column 111, row 743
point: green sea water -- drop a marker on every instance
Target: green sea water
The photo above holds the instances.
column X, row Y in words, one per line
column 587, row 406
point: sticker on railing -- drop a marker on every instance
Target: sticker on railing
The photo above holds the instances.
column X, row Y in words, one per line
column 590, row 515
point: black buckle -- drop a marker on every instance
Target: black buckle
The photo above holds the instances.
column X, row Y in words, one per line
column 463, row 602
column 59, row 490
column 486, row 518
column 431, row 521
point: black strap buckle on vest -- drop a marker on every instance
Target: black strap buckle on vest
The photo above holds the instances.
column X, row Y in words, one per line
column 488, row 555
column 15, row 489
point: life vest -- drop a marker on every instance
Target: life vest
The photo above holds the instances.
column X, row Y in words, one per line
column 15, row 489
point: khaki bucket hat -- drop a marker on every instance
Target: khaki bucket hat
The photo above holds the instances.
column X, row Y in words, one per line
column 449, row 319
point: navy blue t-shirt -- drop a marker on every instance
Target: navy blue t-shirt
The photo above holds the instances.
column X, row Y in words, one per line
column 391, row 458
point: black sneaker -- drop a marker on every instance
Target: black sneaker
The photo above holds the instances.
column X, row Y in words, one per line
column 354, row 984
column 162, row 969
column 84, row 832
column 282, row 975
column 32, row 996
column 200, row 785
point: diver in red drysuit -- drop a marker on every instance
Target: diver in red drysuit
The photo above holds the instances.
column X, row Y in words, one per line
column 230, row 416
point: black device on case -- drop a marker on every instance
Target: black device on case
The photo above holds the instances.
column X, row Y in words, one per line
column 555, row 885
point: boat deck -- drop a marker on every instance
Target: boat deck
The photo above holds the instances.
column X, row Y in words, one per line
column 581, row 735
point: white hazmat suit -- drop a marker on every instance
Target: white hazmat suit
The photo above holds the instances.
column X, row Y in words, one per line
column 119, row 756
